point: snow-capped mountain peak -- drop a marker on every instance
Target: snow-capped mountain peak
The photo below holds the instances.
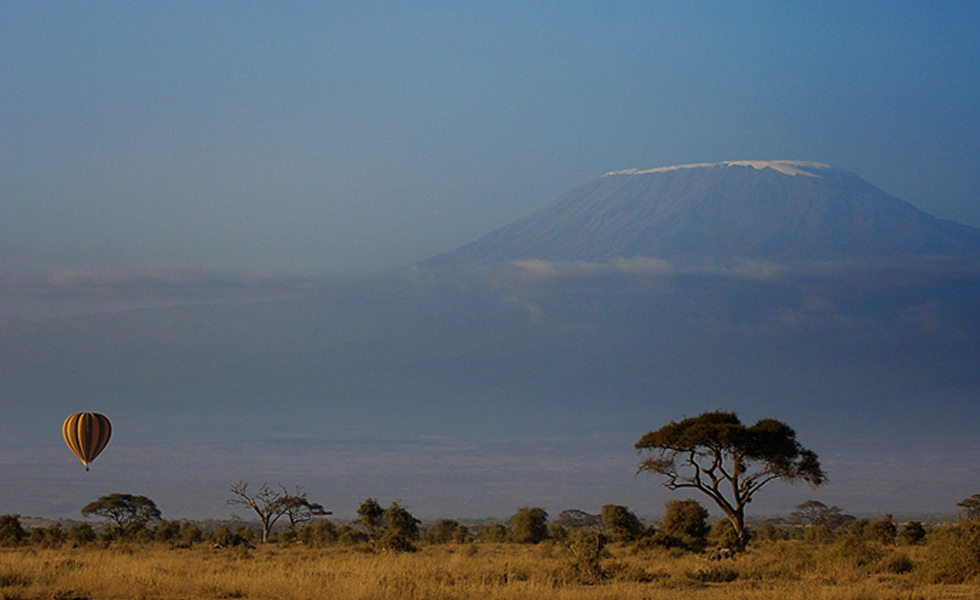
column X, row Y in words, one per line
column 787, row 167
column 761, row 210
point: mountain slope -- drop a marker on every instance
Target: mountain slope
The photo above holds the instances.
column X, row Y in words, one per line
column 759, row 210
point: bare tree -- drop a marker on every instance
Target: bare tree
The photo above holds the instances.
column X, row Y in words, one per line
column 271, row 505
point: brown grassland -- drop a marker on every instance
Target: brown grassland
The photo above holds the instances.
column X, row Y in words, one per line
column 840, row 569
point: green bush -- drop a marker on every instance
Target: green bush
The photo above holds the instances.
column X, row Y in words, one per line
column 587, row 549
column 189, row 534
column 857, row 552
column 11, row 531
column 722, row 534
column 49, row 537
column 621, row 523
column 81, row 534
column 493, row 533
column 319, row 534
column 770, row 533
column 557, row 532
column 166, row 531
column 401, row 529
column 462, row 535
column 686, row 523
column 898, row 563
column 719, row 574
column 241, row 537
column 883, row 530
column 818, row 534
column 913, row 533
column 529, row 525
column 348, row 536
column 441, row 532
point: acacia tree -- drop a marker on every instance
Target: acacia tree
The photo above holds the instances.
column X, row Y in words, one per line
column 971, row 507
column 729, row 462
column 814, row 512
column 299, row 509
column 270, row 505
column 129, row 512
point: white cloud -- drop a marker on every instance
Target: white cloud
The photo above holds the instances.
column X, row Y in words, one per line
column 68, row 293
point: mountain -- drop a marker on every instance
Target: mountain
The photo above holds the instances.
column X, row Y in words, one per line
column 741, row 209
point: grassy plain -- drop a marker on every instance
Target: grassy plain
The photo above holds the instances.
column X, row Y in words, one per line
column 788, row 570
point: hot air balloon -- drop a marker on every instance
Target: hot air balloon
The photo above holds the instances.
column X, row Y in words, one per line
column 87, row 434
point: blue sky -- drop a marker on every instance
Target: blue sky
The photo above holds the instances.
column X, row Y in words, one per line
column 189, row 156
column 338, row 136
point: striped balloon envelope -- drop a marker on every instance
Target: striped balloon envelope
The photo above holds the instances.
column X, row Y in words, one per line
column 87, row 434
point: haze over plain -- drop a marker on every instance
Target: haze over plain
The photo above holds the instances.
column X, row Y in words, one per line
column 195, row 159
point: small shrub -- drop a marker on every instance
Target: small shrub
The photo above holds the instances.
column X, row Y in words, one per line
column 954, row 553
column 631, row 573
column 856, row 528
column 722, row 534
column 770, row 533
column 189, row 534
column 319, row 534
column 67, row 594
column 462, row 535
column 883, row 530
column 913, row 533
column 166, row 531
column 529, row 525
column 49, row 537
column 687, row 521
column 664, row 540
column 493, row 533
column 441, row 532
column 898, row 563
column 587, row 550
column 623, row 525
column 10, row 578
column 348, row 536
column 717, row 574
column 856, row 552
column 81, row 534
column 557, row 532
column 11, row 531
column 223, row 537
column 401, row 530
column 818, row 534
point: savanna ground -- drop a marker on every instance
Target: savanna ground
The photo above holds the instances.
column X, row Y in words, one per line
column 844, row 567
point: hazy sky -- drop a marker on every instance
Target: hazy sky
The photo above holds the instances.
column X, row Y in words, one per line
column 165, row 153
column 312, row 136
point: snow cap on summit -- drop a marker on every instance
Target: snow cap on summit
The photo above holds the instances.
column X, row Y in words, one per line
column 787, row 167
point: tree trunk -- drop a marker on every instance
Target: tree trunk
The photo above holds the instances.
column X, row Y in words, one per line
column 741, row 534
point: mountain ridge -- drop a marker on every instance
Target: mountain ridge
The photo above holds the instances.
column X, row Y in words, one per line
column 736, row 209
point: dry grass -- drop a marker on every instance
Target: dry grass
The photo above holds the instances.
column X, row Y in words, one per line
column 784, row 570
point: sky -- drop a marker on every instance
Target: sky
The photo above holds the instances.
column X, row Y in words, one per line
column 326, row 136
column 196, row 157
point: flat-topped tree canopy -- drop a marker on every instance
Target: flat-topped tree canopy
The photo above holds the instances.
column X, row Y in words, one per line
column 715, row 452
